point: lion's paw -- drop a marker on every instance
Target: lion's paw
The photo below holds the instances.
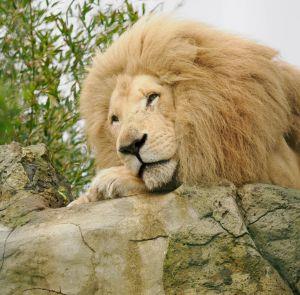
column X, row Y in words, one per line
column 111, row 183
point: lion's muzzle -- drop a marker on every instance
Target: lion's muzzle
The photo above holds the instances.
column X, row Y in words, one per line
column 134, row 147
column 146, row 144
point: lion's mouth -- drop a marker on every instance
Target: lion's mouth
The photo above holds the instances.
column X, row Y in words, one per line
column 160, row 176
column 152, row 164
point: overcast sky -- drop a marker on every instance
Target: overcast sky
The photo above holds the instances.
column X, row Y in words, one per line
column 275, row 23
column 272, row 22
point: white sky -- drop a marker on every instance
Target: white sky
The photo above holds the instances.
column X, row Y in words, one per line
column 275, row 23
column 272, row 22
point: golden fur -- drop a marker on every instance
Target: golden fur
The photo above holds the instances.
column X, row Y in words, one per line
column 237, row 107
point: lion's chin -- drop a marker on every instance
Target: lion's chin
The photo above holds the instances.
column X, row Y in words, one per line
column 161, row 177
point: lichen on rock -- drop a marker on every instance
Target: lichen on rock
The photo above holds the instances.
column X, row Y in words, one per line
column 272, row 215
column 28, row 183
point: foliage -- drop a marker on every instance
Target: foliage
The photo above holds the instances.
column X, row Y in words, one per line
column 44, row 52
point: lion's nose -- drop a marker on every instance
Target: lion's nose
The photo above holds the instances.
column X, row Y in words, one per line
column 134, row 147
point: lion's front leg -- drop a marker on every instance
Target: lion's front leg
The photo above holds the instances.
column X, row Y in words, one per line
column 111, row 183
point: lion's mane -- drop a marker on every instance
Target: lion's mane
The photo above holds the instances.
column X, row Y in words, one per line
column 234, row 99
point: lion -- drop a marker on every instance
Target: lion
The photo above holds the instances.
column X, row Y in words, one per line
column 175, row 101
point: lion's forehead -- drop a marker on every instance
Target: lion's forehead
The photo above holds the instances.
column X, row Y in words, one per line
column 130, row 90
column 132, row 87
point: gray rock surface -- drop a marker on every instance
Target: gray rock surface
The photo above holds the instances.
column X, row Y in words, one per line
column 28, row 183
column 197, row 240
column 272, row 216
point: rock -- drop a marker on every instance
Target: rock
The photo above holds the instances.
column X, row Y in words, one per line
column 272, row 215
column 196, row 240
column 28, row 182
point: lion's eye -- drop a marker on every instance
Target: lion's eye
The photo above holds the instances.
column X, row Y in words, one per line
column 114, row 119
column 151, row 97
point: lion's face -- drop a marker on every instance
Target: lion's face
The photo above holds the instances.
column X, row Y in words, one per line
column 141, row 119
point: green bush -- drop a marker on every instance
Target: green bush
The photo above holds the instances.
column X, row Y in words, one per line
column 44, row 52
